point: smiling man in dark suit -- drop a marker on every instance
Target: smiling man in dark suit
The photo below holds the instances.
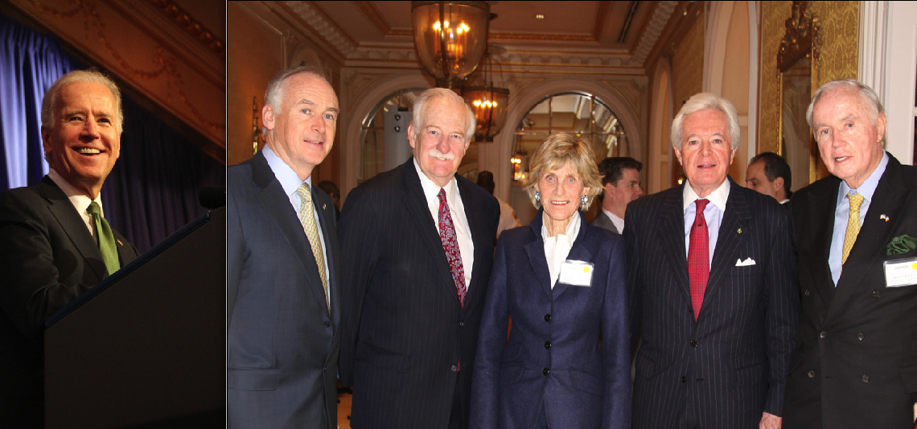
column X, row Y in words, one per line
column 712, row 282
column 857, row 362
column 54, row 241
column 417, row 243
column 282, row 266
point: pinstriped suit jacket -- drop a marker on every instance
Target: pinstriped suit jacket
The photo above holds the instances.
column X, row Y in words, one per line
column 404, row 331
column 730, row 365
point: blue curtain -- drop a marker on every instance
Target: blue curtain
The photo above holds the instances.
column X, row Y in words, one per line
column 29, row 65
column 152, row 190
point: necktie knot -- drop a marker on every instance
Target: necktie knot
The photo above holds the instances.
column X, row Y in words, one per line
column 856, row 200
column 94, row 209
column 304, row 193
column 442, row 196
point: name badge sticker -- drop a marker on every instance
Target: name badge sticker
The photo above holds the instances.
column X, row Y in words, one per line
column 576, row 273
column 901, row 272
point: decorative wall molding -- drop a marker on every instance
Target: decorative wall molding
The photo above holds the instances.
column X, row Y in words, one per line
column 325, row 27
column 192, row 26
column 654, row 28
column 150, row 51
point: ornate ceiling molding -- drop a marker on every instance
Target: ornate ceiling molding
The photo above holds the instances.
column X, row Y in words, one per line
column 323, row 25
column 654, row 28
column 192, row 26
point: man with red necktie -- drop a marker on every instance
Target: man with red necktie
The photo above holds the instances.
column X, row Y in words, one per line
column 712, row 287
column 417, row 243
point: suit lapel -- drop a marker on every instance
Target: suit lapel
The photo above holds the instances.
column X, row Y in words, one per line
column 534, row 249
column 481, row 242
column 731, row 235
column 416, row 203
column 277, row 205
column 821, row 220
column 670, row 238
column 72, row 224
column 325, row 215
column 869, row 247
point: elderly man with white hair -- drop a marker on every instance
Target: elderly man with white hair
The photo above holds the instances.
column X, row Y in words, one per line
column 712, row 287
column 855, row 233
column 417, row 244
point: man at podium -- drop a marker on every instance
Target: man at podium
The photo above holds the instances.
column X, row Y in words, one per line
column 54, row 241
column 283, row 299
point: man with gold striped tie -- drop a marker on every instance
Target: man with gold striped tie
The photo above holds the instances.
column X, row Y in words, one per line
column 282, row 276
column 856, row 366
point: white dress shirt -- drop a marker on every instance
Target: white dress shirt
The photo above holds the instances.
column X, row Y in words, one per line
column 713, row 214
column 79, row 200
column 557, row 248
column 459, row 220
column 290, row 182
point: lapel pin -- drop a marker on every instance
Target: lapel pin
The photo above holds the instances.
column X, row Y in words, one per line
column 884, row 217
column 739, row 231
column 120, row 243
column 324, row 206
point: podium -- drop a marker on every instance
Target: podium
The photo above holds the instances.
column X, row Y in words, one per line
column 146, row 347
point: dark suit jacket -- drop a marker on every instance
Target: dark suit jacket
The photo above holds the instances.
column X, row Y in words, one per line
column 857, row 361
column 731, row 364
column 48, row 258
column 603, row 221
column 569, row 346
column 282, row 342
column 405, row 332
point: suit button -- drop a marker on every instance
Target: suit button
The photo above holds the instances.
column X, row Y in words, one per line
column 806, row 292
column 546, row 371
column 684, row 379
column 327, row 324
column 875, row 294
column 454, row 368
column 811, row 374
column 461, row 323
column 866, row 379
column 860, row 336
column 547, row 344
column 547, row 317
column 822, row 334
column 695, row 343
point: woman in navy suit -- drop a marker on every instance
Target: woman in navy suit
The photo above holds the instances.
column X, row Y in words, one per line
column 562, row 281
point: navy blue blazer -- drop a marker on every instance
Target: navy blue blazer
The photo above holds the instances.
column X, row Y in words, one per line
column 568, row 347
column 282, row 342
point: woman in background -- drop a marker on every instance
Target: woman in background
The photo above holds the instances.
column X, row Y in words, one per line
column 563, row 282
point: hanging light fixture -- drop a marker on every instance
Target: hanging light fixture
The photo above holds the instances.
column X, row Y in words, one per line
column 487, row 101
column 450, row 38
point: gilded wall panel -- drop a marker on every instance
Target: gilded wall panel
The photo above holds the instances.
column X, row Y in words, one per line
column 773, row 16
column 840, row 37
column 688, row 63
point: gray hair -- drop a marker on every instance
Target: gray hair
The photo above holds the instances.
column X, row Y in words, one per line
column 706, row 101
column 442, row 93
column 273, row 96
column 91, row 76
column 866, row 94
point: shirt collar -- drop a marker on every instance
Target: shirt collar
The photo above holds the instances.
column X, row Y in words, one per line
column 431, row 190
column 868, row 188
column 288, row 178
column 79, row 200
column 718, row 197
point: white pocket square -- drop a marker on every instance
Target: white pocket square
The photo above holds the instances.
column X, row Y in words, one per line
column 746, row 263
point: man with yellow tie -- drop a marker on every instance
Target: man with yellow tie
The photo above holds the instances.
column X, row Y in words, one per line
column 54, row 241
column 283, row 299
column 856, row 365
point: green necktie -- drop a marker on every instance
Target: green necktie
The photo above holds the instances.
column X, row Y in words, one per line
column 105, row 238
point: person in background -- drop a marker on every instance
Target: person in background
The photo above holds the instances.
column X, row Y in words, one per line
column 713, row 287
column 769, row 174
column 621, row 185
column 562, row 281
column 508, row 218
column 55, row 243
column 856, row 234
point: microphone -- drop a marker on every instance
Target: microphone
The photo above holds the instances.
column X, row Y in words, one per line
column 212, row 197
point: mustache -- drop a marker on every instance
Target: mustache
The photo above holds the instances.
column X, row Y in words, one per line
column 441, row 156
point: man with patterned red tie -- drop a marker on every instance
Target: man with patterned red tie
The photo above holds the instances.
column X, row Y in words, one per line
column 417, row 243
column 712, row 286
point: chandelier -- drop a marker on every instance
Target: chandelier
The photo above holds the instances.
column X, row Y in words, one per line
column 450, row 38
column 487, row 101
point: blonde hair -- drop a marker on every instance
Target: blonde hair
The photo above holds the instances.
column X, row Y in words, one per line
column 555, row 152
